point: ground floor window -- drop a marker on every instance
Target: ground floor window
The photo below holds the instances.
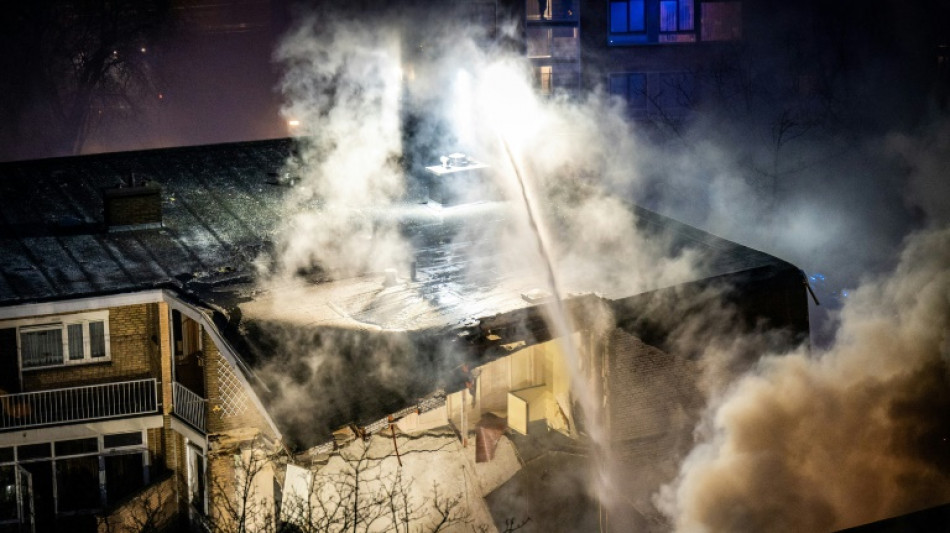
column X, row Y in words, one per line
column 77, row 483
column 197, row 486
column 74, row 476
column 125, row 475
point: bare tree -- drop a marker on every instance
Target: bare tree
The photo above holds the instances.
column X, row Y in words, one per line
column 236, row 502
column 70, row 65
column 365, row 492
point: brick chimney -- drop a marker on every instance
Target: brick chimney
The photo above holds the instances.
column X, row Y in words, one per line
column 135, row 207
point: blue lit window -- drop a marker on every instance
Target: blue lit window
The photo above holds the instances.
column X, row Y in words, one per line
column 627, row 16
column 676, row 15
column 672, row 21
column 632, row 87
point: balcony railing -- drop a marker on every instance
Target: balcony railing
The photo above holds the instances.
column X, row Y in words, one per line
column 189, row 406
column 78, row 404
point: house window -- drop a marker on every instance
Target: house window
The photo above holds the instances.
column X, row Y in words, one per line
column 70, row 339
column 676, row 21
column 627, row 16
column 632, row 88
column 672, row 21
column 197, row 488
column 80, row 475
column 667, row 95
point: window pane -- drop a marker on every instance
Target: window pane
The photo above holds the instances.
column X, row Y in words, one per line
column 124, row 475
column 122, row 439
column 33, row 451
column 637, row 16
column 76, row 446
column 74, row 334
column 8, row 502
column 196, row 478
column 6, row 455
column 668, row 15
column 77, row 483
column 618, row 85
column 637, row 95
column 686, row 15
column 618, row 17
column 97, row 339
column 43, row 347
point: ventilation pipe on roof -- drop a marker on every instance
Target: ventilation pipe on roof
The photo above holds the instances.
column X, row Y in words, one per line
column 132, row 206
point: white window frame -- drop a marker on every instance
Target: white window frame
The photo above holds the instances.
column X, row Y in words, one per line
column 101, row 452
column 62, row 323
column 192, row 453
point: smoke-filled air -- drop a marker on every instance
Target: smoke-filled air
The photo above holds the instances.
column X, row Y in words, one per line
column 373, row 111
column 826, row 436
column 822, row 440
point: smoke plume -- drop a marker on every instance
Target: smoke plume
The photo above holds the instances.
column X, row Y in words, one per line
column 851, row 434
column 343, row 84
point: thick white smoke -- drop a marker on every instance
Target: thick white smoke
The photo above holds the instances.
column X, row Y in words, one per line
column 851, row 434
column 343, row 83
column 804, row 442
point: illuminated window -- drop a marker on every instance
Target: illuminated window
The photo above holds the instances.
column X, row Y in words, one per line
column 197, row 487
column 627, row 16
column 556, row 10
column 186, row 334
column 676, row 17
column 672, row 21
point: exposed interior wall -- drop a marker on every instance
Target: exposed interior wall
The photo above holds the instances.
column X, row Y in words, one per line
column 537, row 375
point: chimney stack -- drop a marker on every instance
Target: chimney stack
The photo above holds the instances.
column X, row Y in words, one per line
column 137, row 206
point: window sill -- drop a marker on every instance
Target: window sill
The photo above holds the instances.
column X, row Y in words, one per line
column 72, row 364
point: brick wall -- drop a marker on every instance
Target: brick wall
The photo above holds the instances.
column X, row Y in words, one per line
column 651, row 395
column 134, row 351
column 222, row 489
column 229, row 406
column 132, row 206
column 154, row 509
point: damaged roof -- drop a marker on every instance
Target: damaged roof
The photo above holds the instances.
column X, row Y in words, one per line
column 221, row 209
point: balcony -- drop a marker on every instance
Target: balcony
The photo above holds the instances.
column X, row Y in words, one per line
column 553, row 10
column 188, row 406
column 78, row 404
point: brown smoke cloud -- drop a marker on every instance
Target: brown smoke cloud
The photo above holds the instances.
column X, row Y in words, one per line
column 853, row 434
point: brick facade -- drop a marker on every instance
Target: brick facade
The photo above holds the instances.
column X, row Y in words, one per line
column 154, row 509
column 140, row 346
column 229, row 406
